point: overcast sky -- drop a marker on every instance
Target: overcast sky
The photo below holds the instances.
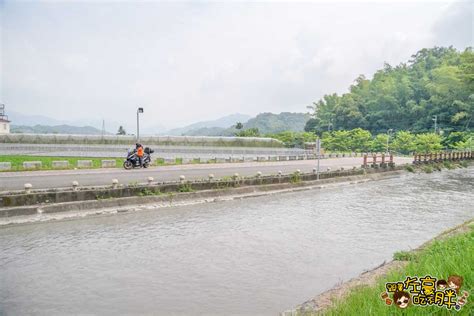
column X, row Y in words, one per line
column 191, row 61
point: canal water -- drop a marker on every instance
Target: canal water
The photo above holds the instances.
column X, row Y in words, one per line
column 252, row 256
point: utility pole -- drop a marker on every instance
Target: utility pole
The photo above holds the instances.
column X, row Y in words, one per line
column 103, row 128
column 435, row 119
column 139, row 110
column 330, row 126
column 388, row 139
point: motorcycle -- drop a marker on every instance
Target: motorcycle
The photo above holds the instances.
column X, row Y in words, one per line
column 132, row 160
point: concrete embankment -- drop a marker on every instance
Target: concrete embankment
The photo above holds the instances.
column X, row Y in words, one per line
column 40, row 202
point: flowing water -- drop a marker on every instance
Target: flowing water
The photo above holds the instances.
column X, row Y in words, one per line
column 251, row 256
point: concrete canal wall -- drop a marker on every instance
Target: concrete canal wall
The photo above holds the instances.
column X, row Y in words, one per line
column 30, row 202
column 210, row 141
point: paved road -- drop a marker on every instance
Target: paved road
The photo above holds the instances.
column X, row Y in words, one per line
column 63, row 178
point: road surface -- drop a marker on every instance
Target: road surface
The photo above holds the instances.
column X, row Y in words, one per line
column 64, row 178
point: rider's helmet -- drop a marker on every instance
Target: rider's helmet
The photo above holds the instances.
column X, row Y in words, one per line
column 138, row 145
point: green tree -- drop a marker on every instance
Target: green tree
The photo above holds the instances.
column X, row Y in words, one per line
column 404, row 142
column 239, row 125
column 379, row 144
column 251, row 132
column 337, row 141
column 359, row 140
column 121, row 131
column 428, row 142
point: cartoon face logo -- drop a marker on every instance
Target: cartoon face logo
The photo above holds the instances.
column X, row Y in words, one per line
column 402, row 299
column 455, row 282
column 441, row 284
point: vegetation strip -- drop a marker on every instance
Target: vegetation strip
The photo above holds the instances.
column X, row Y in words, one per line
column 451, row 253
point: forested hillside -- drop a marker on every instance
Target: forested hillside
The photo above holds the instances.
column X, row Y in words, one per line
column 276, row 123
column 436, row 84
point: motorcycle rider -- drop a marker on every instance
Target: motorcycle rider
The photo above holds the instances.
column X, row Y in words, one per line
column 139, row 153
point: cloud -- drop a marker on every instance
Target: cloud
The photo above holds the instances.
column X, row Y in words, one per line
column 455, row 26
column 189, row 62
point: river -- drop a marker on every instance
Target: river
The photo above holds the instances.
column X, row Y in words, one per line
column 251, row 256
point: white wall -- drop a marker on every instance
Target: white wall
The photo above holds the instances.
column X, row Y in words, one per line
column 4, row 128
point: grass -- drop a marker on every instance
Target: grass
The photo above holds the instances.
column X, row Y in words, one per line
column 448, row 165
column 404, row 255
column 409, row 168
column 295, row 177
column 148, row 192
column 46, row 162
column 427, row 169
column 452, row 255
column 185, row 188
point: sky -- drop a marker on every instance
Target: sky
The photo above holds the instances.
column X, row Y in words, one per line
column 185, row 62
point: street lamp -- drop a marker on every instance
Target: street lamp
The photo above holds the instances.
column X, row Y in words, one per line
column 388, row 138
column 139, row 110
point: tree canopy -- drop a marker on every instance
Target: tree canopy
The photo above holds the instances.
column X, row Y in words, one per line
column 435, row 82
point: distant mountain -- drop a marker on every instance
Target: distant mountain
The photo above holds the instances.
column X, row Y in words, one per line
column 212, row 131
column 269, row 123
column 31, row 120
column 26, row 122
column 57, row 129
column 223, row 122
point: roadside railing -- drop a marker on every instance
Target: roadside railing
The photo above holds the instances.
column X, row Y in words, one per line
column 378, row 160
column 442, row 156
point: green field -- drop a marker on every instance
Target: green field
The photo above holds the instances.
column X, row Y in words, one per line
column 450, row 256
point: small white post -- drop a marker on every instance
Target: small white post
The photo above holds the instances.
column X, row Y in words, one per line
column 28, row 187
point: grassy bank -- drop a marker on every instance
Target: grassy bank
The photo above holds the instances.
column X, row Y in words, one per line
column 441, row 258
column 46, row 162
column 431, row 167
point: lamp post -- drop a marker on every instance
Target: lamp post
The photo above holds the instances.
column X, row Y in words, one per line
column 139, row 110
column 318, row 153
column 388, row 138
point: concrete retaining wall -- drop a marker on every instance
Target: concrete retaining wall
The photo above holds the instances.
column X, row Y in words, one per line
column 5, row 165
column 51, row 202
column 84, row 163
column 63, row 164
column 217, row 141
column 84, row 194
column 109, row 163
column 32, row 165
